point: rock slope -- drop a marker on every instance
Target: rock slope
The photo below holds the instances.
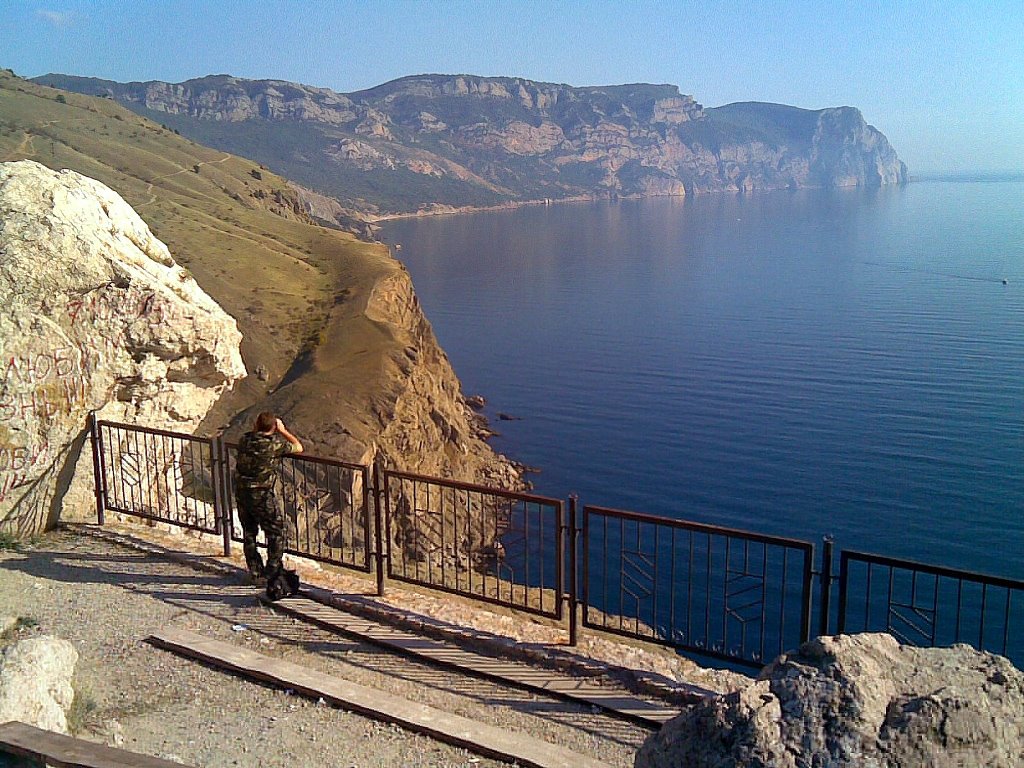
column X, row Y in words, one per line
column 95, row 315
column 462, row 140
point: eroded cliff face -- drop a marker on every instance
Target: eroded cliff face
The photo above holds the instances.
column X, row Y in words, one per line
column 376, row 384
column 460, row 140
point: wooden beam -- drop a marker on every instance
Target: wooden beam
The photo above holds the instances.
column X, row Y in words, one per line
column 609, row 698
column 477, row 737
column 60, row 751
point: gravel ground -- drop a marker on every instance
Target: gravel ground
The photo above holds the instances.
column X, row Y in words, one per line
column 106, row 598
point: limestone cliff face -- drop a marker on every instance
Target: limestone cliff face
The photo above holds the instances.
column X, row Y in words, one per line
column 462, row 140
column 95, row 315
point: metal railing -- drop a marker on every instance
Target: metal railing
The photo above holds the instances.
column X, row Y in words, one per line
column 156, row 475
column 921, row 604
column 724, row 593
column 721, row 592
column 492, row 545
column 327, row 506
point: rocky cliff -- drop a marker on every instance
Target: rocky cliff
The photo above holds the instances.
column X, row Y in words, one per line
column 332, row 334
column 95, row 315
column 469, row 141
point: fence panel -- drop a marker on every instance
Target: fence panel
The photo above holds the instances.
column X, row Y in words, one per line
column 928, row 605
column 492, row 545
column 327, row 509
column 157, row 475
column 729, row 594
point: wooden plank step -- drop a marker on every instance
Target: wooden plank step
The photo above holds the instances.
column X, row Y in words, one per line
column 477, row 737
column 56, row 749
column 616, row 702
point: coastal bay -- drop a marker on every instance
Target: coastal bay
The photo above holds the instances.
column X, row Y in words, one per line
column 802, row 363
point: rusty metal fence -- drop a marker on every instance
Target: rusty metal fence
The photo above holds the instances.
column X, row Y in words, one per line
column 492, row 545
column 156, row 475
column 327, row 506
column 928, row 605
column 728, row 594
column 725, row 593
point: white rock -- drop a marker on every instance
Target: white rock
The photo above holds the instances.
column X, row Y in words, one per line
column 35, row 682
column 94, row 316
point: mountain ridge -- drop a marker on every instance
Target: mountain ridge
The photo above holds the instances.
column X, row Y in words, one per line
column 423, row 141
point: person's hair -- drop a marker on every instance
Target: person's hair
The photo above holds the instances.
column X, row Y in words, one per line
column 266, row 422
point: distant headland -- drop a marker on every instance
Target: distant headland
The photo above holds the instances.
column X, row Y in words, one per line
column 429, row 142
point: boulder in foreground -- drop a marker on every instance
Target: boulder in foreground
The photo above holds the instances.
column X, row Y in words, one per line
column 856, row 700
column 35, row 682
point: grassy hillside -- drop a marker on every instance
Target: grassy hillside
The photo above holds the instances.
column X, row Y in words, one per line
column 234, row 225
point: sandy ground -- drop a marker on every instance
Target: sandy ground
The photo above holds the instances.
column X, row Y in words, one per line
column 106, row 598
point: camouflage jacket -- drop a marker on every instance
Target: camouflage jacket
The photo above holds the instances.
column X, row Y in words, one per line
column 258, row 453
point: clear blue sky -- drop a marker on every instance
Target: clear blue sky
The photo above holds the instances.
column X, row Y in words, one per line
column 943, row 80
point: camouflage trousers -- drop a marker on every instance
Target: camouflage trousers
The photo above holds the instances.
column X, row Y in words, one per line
column 257, row 508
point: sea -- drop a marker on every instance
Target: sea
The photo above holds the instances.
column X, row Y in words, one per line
column 843, row 362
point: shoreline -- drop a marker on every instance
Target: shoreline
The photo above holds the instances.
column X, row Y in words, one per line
column 439, row 209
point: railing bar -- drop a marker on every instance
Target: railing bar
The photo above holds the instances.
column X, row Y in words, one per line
column 952, row 573
column 526, row 551
column 483, row 537
column 622, row 569
column 959, row 606
column 442, row 540
column 867, row 597
column 196, row 475
column 481, row 489
column 115, row 467
column 764, row 598
column 888, row 608
column 1006, row 624
column 707, row 597
column 604, row 571
column 540, row 543
column 726, row 595
column 139, row 466
column 935, row 608
column 180, row 501
column 782, row 602
column 913, row 587
column 981, row 622
column 654, row 581
column 689, row 590
column 704, row 528
column 470, row 554
column 672, row 585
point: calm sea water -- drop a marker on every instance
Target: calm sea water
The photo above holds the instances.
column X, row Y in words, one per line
column 798, row 363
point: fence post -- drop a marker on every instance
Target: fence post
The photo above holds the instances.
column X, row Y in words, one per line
column 826, row 584
column 97, row 473
column 221, row 495
column 573, row 572
column 378, row 525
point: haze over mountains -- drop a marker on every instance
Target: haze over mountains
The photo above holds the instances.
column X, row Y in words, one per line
column 441, row 141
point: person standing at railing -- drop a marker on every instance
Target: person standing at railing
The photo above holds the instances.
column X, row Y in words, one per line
column 259, row 456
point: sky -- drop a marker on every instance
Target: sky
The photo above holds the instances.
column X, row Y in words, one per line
column 944, row 81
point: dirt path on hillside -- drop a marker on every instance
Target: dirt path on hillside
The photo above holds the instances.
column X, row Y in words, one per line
column 149, row 186
column 106, row 598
